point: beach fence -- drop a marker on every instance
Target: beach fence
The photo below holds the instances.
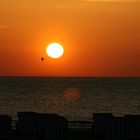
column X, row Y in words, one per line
column 53, row 126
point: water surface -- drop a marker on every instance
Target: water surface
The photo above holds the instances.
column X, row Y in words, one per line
column 74, row 98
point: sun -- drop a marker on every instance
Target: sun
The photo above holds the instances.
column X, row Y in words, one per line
column 55, row 50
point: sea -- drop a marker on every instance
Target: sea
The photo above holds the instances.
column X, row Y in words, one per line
column 76, row 98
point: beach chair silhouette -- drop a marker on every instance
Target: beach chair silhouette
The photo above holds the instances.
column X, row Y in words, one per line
column 41, row 120
column 114, row 130
column 100, row 120
column 132, row 127
column 55, row 127
column 5, row 126
column 26, row 124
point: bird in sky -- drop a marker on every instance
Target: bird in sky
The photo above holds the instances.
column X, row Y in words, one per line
column 42, row 59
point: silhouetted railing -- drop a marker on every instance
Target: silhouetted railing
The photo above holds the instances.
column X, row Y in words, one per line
column 52, row 126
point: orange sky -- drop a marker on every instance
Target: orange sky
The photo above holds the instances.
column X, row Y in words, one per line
column 100, row 38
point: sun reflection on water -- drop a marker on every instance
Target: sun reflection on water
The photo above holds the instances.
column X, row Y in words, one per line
column 72, row 94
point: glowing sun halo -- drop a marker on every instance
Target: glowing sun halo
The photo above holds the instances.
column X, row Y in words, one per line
column 55, row 50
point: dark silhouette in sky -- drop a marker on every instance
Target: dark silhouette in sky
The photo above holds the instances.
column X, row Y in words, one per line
column 42, row 59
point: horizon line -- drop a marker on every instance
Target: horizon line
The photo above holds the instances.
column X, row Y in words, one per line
column 17, row 76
